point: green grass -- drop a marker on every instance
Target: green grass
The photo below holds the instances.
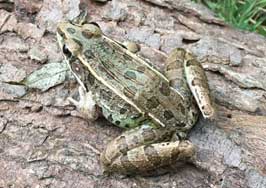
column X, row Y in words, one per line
column 244, row 14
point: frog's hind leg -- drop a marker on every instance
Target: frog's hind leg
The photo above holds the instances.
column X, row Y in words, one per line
column 175, row 73
column 186, row 73
column 144, row 149
column 198, row 84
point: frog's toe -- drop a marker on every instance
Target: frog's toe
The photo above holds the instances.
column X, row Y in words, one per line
column 82, row 94
column 73, row 101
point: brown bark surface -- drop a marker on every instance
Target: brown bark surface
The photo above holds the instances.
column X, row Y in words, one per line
column 44, row 144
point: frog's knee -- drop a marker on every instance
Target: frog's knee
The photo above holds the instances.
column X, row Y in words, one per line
column 112, row 151
column 187, row 150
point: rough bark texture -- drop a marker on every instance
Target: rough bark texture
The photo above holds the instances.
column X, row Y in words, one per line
column 43, row 143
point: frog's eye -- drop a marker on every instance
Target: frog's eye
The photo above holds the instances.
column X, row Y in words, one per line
column 91, row 30
column 71, row 48
column 66, row 51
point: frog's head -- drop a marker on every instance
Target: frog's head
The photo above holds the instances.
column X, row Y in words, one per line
column 75, row 34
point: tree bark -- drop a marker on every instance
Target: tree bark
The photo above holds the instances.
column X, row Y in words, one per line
column 44, row 144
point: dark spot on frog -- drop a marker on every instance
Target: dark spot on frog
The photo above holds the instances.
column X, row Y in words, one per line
column 141, row 69
column 91, row 79
column 165, row 89
column 152, row 155
column 130, row 75
column 127, row 125
column 127, row 105
column 152, row 102
column 182, row 109
column 122, row 144
column 181, row 124
column 110, row 118
column 88, row 54
column 123, row 148
column 117, row 122
column 130, row 91
column 148, row 134
column 135, row 140
column 77, row 41
column 193, row 83
column 229, row 116
column 166, row 136
column 194, row 114
column 168, row 114
column 71, row 30
column 123, row 110
column 105, row 94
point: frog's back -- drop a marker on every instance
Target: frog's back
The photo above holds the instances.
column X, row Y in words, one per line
column 137, row 83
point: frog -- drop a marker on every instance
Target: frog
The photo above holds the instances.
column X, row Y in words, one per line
column 156, row 108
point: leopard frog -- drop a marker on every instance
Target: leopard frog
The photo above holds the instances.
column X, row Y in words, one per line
column 156, row 109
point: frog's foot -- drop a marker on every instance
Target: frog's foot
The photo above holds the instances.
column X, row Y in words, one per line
column 182, row 64
column 86, row 105
column 142, row 150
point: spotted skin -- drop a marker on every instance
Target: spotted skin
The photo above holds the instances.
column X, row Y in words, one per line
column 139, row 152
column 151, row 106
column 197, row 82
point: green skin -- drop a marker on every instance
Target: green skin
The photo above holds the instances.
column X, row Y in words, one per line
column 156, row 109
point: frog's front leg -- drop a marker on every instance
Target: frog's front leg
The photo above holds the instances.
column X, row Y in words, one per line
column 86, row 105
column 143, row 150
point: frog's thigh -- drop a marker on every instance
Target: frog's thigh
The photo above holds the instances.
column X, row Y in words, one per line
column 174, row 71
column 86, row 105
column 143, row 149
